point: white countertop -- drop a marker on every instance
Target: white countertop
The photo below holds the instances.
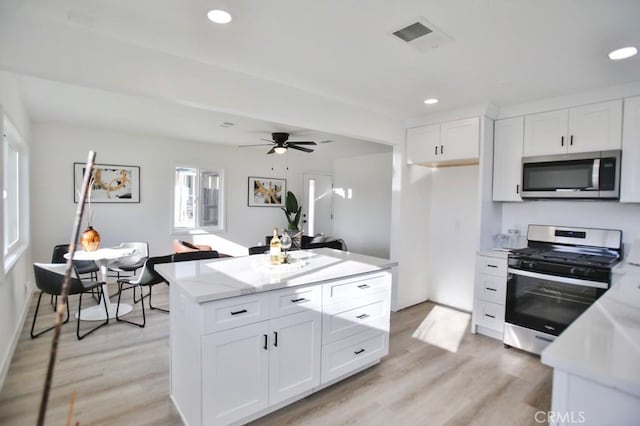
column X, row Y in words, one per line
column 603, row 344
column 499, row 253
column 206, row 280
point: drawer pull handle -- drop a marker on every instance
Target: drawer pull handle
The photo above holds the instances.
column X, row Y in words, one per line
column 491, row 266
column 546, row 339
column 243, row 311
column 359, row 352
column 265, row 341
column 302, row 299
column 363, row 316
column 491, row 289
column 363, row 286
column 275, row 339
column 489, row 315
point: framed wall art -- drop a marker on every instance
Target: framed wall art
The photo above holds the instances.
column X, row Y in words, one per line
column 111, row 183
column 266, row 192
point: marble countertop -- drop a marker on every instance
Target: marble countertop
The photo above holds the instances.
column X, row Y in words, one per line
column 603, row 344
column 213, row 279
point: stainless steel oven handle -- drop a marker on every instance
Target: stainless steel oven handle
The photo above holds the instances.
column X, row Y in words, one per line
column 565, row 280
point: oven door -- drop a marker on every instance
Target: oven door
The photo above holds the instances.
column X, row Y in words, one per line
column 548, row 303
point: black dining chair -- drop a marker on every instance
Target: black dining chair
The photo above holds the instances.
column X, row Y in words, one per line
column 50, row 278
column 84, row 267
column 149, row 277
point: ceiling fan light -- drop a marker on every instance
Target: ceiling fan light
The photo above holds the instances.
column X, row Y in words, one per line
column 280, row 149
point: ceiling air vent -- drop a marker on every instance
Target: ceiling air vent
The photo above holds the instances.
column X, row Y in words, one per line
column 412, row 32
column 421, row 34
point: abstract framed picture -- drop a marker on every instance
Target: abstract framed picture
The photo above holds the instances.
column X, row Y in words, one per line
column 266, row 192
column 111, row 183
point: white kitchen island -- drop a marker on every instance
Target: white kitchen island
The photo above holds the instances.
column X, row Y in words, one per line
column 247, row 338
column 596, row 360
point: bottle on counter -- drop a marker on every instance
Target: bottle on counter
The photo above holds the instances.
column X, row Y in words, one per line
column 275, row 248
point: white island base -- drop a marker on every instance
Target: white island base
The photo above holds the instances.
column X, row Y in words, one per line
column 246, row 342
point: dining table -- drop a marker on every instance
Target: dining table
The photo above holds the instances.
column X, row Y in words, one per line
column 104, row 258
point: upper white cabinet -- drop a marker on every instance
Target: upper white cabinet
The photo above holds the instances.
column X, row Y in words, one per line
column 452, row 142
column 507, row 156
column 630, row 179
column 423, row 144
column 594, row 127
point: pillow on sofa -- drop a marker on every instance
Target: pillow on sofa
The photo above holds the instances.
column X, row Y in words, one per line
column 184, row 247
column 318, row 238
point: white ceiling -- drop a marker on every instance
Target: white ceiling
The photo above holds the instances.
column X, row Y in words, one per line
column 501, row 51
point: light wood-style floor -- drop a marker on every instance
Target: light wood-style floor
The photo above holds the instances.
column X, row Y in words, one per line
column 121, row 376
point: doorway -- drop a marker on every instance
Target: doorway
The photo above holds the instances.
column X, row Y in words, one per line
column 317, row 204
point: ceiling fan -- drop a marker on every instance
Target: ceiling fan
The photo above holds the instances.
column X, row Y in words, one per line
column 281, row 144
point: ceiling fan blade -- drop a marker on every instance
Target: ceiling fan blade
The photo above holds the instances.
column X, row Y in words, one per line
column 299, row 148
column 301, row 143
column 272, row 150
column 259, row 144
column 267, row 140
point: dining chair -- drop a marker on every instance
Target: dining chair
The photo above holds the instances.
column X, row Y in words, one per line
column 83, row 267
column 129, row 266
column 149, row 277
column 50, row 279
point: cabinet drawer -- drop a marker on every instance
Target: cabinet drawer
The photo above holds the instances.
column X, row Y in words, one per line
column 293, row 300
column 490, row 315
column 491, row 288
column 355, row 320
column 492, row 266
column 234, row 312
column 346, row 355
column 355, row 288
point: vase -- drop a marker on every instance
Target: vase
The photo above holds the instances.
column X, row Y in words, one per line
column 90, row 239
column 296, row 238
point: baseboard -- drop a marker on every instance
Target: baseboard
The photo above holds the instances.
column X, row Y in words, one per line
column 6, row 362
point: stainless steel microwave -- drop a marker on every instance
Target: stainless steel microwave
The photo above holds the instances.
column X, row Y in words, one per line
column 588, row 175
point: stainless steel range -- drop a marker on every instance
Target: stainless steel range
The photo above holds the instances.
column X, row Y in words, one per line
column 560, row 273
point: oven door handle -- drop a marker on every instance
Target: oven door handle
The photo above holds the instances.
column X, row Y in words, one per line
column 565, row 280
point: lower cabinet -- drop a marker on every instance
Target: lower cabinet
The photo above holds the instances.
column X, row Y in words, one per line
column 238, row 358
column 490, row 294
column 248, row 368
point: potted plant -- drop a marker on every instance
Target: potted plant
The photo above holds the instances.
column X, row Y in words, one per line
column 292, row 211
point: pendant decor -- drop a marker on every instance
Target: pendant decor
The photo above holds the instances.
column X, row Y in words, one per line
column 90, row 239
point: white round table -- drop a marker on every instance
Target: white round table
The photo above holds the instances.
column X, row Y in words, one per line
column 103, row 258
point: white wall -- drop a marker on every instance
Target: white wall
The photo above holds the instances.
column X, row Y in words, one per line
column 56, row 147
column 15, row 290
column 453, row 235
column 587, row 214
column 362, row 203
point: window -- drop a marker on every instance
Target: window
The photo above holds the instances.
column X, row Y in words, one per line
column 198, row 200
column 14, row 187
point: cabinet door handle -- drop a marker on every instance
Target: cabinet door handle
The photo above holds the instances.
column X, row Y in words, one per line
column 302, row 299
column 492, row 289
column 359, row 352
column 517, row 188
column 491, row 266
column 363, row 316
column 436, row 148
column 243, row 311
column 363, row 286
column 561, row 140
column 265, row 341
column 546, row 339
column 275, row 339
column 489, row 315
column 571, row 140
column 441, row 149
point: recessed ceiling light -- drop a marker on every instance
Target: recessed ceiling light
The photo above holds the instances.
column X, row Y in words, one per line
column 624, row 53
column 431, row 101
column 219, row 16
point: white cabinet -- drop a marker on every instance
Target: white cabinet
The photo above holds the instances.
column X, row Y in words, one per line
column 594, row 127
column 507, row 158
column 423, row 144
column 630, row 178
column 453, row 142
column 490, row 294
column 235, row 368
